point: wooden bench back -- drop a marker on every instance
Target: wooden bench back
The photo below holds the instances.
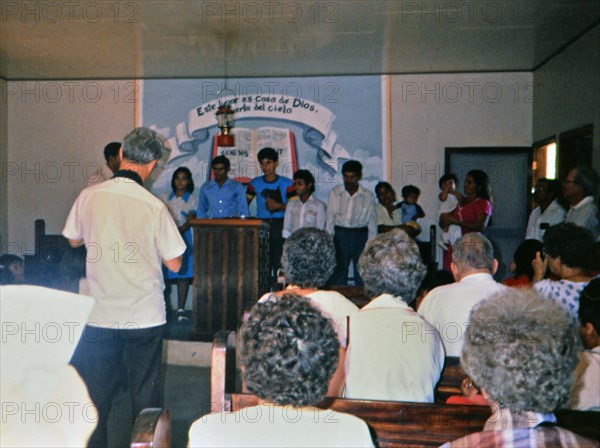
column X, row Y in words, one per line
column 394, row 424
column 152, row 429
column 400, row 424
column 450, row 379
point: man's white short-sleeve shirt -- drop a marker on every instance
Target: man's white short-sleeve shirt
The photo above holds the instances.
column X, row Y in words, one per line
column 127, row 232
column 447, row 307
column 393, row 353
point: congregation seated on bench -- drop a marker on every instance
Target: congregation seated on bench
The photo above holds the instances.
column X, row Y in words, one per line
column 393, row 424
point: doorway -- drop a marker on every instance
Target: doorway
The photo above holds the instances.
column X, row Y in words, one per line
column 574, row 149
column 510, row 177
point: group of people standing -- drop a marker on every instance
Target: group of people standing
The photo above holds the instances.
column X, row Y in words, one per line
column 135, row 237
column 286, row 204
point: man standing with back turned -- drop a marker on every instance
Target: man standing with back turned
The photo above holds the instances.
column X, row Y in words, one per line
column 127, row 232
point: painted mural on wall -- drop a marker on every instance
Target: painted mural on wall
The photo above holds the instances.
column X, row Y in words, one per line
column 314, row 123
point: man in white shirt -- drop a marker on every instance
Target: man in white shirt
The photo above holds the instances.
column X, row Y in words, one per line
column 127, row 232
column 352, row 220
column 548, row 211
column 447, row 307
column 393, row 353
column 304, row 210
column 579, row 189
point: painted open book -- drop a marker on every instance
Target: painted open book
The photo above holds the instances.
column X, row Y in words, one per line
column 243, row 156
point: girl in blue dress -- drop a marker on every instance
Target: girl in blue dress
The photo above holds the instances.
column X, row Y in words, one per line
column 182, row 206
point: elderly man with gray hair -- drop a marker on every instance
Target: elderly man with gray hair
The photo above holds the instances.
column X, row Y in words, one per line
column 580, row 188
column 521, row 350
column 129, row 233
column 447, row 307
column 393, row 353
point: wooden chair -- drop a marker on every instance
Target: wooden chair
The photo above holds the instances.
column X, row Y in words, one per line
column 152, row 429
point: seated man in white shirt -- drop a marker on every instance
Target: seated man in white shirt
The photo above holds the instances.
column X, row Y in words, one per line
column 579, row 189
column 393, row 353
column 447, row 307
column 548, row 211
column 304, row 209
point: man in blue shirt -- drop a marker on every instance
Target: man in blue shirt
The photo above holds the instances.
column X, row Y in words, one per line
column 222, row 197
column 272, row 193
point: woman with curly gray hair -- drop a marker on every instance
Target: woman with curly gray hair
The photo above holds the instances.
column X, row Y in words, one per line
column 308, row 261
column 521, row 350
column 394, row 354
column 289, row 351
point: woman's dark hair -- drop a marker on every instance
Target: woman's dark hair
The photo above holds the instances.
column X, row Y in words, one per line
column 188, row 174
column 573, row 244
column 482, row 180
column 589, row 304
column 524, row 255
column 385, row 185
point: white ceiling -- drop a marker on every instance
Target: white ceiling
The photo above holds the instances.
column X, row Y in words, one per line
column 200, row 39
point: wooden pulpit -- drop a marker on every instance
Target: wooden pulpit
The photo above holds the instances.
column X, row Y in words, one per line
column 231, row 272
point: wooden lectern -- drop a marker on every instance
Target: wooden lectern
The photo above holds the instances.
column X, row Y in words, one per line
column 231, row 272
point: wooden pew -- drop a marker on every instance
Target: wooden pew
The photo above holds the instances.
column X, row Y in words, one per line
column 401, row 424
column 152, row 429
column 449, row 383
column 356, row 294
column 393, row 424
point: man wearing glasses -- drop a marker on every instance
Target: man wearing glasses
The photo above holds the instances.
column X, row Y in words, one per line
column 580, row 187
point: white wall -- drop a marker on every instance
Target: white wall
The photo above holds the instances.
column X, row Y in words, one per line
column 3, row 158
column 567, row 92
column 56, row 136
column 432, row 112
column 57, row 131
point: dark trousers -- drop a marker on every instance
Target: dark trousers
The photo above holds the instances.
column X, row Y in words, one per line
column 275, row 245
column 104, row 355
column 349, row 244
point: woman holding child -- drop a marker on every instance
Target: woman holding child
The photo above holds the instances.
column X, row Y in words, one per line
column 474, row 209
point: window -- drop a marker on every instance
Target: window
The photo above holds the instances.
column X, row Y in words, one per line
column 544, row 160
